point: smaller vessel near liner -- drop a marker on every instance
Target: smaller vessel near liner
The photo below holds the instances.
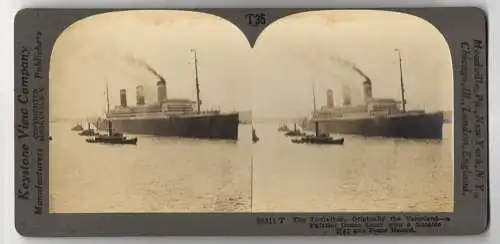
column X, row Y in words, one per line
column 295, row 132
column 319, row 138
column 111, row 137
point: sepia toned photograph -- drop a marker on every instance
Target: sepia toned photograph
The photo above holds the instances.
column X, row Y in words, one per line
column 162, row 111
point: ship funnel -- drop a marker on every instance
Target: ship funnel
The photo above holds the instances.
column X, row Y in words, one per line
column 346, row 98
column 140, row 95
column 367, row 90
column 123, row 98
column 329, row 98
column 162, row 91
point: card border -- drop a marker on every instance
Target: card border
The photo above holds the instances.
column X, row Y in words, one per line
column 458, row 25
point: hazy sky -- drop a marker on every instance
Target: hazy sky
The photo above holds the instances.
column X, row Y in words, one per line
column 273, row 79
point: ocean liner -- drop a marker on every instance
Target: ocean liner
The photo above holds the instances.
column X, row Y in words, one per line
column 170, row 117
column 376, row 116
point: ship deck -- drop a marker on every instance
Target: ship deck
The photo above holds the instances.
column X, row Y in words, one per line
column 363, row 117
column 165, row 116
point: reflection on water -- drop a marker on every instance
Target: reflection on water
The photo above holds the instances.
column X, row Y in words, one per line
column 182, row 175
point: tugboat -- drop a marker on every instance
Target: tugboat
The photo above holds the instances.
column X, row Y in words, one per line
column 88, row 132
column 77, row 127
column 255, row 138
column 319, row 139
column 112, row 137
column 283, row 128
column 295, row 132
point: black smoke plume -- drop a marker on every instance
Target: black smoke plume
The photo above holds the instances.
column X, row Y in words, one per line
column 351, row 65
column 147, row 66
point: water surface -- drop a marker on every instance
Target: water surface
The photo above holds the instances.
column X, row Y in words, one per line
column 184, row 175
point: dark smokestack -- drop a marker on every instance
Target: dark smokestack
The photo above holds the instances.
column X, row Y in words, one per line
column 346, row 98
column 329, row 98
column 162, row 91
column 123, row 98
column 140, row 95
column 367, row 84
column 367, row 90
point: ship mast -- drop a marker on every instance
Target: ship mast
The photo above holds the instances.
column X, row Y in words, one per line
column 403, row 100
column 314, row 98
column 198, row 102
column 316, row 123
column 110, row 128
column 107, row 99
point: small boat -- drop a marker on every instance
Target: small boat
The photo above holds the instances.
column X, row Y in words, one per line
column 295, row 132
column 111, row 137
column 115, row 138
column 88, row 132
column 283, row 128
column 255, row 138
column 322, row 139
column 77, row 127
column 319, row 139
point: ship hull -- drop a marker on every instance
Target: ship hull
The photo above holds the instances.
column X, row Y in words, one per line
column 420, row 126
column 221, row 126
